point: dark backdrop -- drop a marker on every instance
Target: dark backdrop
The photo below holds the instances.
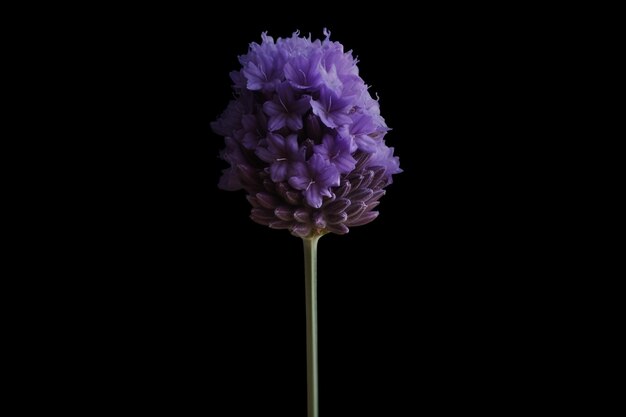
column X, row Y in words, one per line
column 172, row 298
column 414, row 308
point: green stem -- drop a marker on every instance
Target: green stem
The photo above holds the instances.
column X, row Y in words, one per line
column 310, row 276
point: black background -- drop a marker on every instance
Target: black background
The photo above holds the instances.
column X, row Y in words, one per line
column 170, row 297
column 417, row 307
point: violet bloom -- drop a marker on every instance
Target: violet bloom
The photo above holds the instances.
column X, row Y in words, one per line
column 315, row 178
column 281, row 153
column 305, row 139
column 285, row 110
column 338, row 151
column 331, row 108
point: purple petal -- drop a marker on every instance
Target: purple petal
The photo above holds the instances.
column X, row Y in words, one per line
column 340, row 119
column 278, row 171
column 277, row 121
column 276, row 141
column 294, row 121
column 320, row 111
column 324, row 191
column 299, row 183
column 317, row 163
column 291, row 145
column 250, row 141
column 329, row 175
column 313, row 198
column 345, row 164
column 366, row 143
column 271, row 109
column 254, row 75
column 265, row 155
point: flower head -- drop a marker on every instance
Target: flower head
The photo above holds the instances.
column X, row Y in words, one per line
column 304, row 138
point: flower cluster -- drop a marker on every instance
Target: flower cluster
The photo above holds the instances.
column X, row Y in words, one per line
column 304, row 138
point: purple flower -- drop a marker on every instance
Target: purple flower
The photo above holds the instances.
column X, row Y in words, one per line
column 285, row 110
column 253, row 128
column 363, row 131
column 332, row 109
column 315, row 178
column 304, row 71
column 383, row 157
column 304, row 138
column 263, row 66
column 338, row 150
column 280, row 153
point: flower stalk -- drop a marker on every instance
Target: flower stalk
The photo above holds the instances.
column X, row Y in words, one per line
column 310, row 278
